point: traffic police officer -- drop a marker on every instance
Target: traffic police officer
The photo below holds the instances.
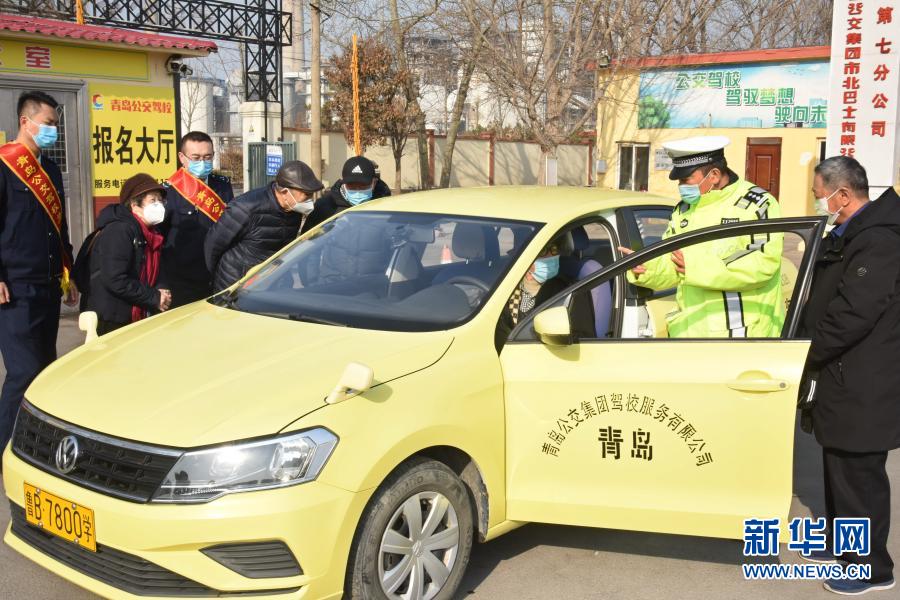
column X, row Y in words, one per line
column 727, row 288
column 196, row 199
column 35, row 253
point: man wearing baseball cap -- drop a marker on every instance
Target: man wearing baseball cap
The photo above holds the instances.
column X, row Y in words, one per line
column 730, row 288
column 359, row 183
column 259, row 223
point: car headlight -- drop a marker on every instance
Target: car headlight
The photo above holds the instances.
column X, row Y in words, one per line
column 203, row 475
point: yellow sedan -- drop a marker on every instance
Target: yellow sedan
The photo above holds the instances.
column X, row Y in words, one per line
column 417, row 374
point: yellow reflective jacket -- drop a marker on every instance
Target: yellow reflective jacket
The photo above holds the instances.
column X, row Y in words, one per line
column 731, row 287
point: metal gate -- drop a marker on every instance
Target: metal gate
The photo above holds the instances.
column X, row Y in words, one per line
column 265, row 159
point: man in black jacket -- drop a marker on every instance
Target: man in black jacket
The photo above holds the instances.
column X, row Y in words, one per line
column 358, row 183
column 853, row 319
column 34, row 251
column 259, row 223
column 196, row 199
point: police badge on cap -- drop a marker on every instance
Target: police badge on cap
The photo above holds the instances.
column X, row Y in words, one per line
column 690, row 154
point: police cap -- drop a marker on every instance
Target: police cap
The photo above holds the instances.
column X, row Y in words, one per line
column 690, row 154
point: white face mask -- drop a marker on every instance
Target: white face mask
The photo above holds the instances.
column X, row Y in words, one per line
column 304, row 208
column 154, row 213
column 822, row 209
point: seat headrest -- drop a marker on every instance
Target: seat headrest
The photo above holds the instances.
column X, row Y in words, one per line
column 469, row 241
column 580, row 239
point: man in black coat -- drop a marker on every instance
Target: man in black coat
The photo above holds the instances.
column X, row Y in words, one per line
column 34, row 250
column 196, row 199
column 853, row 319
column 259, row 223
column 358, row 183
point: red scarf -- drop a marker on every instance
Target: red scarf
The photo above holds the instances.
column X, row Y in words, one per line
column 150, row 266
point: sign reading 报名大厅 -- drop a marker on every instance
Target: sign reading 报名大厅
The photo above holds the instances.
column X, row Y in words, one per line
column 132, row 131
column 735, row 96
column 865, row 85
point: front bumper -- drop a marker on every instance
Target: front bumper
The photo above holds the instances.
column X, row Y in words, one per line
column 316, row 522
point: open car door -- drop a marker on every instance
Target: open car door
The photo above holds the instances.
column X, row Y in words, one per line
column 687, row 436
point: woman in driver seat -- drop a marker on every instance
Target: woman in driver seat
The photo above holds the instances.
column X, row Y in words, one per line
column 542, row 281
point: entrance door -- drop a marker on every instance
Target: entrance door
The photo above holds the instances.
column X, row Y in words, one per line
column 66, row 152
column 764, row 163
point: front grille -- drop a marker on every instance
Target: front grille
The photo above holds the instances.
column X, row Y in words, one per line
column 121, row 570
column 112, row 466
column 118, row 569
column 256, row 560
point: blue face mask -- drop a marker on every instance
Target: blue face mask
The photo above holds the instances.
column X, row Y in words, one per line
column 545, row 268
column 200, row 168
column 46, row 135
column 690, row 192
column 355, row 197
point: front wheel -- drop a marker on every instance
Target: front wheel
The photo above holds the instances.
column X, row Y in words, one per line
column 415, row 537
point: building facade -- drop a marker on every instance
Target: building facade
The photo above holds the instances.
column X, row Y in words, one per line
column 771, row 104
column 117, row 96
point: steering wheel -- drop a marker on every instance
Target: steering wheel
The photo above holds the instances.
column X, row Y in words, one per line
column 466, row 283
column 469, row 280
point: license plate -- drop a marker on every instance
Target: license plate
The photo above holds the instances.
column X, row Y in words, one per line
column 60, row 517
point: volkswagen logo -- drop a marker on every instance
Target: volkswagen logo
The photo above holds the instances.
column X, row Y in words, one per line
column 67, row 454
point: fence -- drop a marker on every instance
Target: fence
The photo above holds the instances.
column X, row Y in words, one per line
column 477, row 161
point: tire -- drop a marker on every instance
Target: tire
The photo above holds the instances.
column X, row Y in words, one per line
column 387, row 562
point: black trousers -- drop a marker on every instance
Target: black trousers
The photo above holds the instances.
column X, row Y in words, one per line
column 29, row 323
column 857, row 485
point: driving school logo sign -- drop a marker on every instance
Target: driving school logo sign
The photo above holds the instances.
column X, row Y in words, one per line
column 612, row 439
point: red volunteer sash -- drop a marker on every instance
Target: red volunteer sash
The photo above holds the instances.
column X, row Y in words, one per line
column 26, row 167
column 198, row 193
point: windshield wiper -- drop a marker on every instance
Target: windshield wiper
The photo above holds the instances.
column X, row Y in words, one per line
column 228, row 299
column 302, row 318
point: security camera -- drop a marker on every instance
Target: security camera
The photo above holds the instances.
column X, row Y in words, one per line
column 175, row 66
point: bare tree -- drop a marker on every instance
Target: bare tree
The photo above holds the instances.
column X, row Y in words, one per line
column 539, row 51
column 401, row 28
column 384, row 113
column 753, row 24
column 194, row 98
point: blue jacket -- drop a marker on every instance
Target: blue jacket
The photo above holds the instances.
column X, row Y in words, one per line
column 30, row 247
column 185, row 229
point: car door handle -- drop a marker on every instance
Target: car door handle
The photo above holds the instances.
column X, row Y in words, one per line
column 758, row 385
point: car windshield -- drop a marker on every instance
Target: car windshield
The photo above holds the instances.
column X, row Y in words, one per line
column 393, row 271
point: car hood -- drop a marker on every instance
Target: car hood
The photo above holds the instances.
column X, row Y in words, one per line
column 204, row 374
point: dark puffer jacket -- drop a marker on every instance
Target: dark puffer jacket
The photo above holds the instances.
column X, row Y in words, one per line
column 252, row 228
column 853, row 318
column 116, row 261
column 332, row 202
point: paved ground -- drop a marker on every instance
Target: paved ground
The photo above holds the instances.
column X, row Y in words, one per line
column 542, row 562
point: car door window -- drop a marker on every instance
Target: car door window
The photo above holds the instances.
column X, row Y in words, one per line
column 652, row 224
column 588, row 248
column 743, row 285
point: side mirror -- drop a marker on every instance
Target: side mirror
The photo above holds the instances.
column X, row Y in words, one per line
column 553, row 328
column 355, row 380
column 87, row 322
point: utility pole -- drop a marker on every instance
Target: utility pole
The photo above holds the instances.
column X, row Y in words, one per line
column 315, row 109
